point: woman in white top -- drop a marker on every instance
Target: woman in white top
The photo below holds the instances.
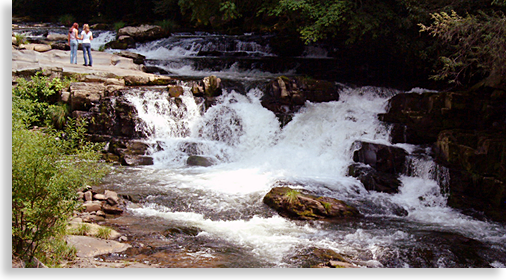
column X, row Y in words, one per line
column 86, row 36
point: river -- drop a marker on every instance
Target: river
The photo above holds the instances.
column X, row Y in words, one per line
column 217, row 212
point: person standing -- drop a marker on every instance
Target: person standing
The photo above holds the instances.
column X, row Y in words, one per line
column 87, row 36
column 73, row 43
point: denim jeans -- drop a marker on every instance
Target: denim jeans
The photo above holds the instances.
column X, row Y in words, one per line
column 73, row 51
column 87, row 49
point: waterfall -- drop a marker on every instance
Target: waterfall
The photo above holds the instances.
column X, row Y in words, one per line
column 252, row 153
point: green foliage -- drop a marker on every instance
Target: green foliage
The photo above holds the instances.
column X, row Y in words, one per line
column 229, row 11
column 20, row 39
column 118, row 25
column 34, row 101
column 48, row 166
column 292, row 196
column 104, row 232
column 477, row 45
column 67, row 19
column 44, row 183
column 167, row 25
column 318, row 19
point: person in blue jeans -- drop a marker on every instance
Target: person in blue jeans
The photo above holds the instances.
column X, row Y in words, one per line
column 73, row 43
column 87, row 36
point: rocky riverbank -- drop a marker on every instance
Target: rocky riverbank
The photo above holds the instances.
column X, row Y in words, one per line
column 467, row 132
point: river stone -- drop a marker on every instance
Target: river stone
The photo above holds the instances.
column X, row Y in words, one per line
column 374, row 180
column 88, row 196
column 296, row 205
column 92, row 206
column 99, row 196
column 199, row 161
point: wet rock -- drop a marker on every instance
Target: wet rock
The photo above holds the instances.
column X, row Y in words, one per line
column 114, row 210
column 477, row 169
column 382, row 158
column 130, row 152
column 135, row 160
column 374, row 180
column 122, row 42
column 175, row 91
column 294, row 204
column 284, row 96
column 212, row 86
column 199, row 161
column 208, row 89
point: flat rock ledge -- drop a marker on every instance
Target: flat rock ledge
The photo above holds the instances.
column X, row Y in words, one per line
column 27, row 62
column 294, row 204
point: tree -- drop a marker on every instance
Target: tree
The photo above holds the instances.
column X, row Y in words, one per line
column 477, row 44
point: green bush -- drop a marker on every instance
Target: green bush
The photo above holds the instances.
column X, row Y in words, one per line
column 20, row 39
column 118, row 25
column 67, row 20
column 45, row 181
column 48, row 167
column 35, row 101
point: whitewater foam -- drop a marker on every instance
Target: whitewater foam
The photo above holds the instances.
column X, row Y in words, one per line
column 314, row 150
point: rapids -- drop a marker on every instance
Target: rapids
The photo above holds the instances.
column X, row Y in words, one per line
column 219, row 209
column 224, row 202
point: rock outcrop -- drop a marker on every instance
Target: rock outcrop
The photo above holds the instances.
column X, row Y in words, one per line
column 285, row 96
column 378, row 166
column 199, row 161
column 297, row 205
column 467, row 131
column 129, row 35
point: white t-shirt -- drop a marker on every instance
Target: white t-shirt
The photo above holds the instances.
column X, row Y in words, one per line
column 86, row 36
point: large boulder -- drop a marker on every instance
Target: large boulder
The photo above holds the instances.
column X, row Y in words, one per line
column 114, row 116
column 199, row 161
column 130, row 152
column 122, row 43
column 378, row 166
column 295, row 204
column 383, row 158
column 374, row 180
column 142, row 33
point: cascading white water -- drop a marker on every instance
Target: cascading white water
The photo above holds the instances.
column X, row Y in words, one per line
column 313, row 151
column 181, row 55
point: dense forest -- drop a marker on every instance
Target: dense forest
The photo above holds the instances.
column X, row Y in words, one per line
column 461, row 39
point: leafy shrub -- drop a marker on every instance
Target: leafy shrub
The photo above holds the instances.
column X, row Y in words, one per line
column 48, row 166
column 34, row 101
column 44, row 188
